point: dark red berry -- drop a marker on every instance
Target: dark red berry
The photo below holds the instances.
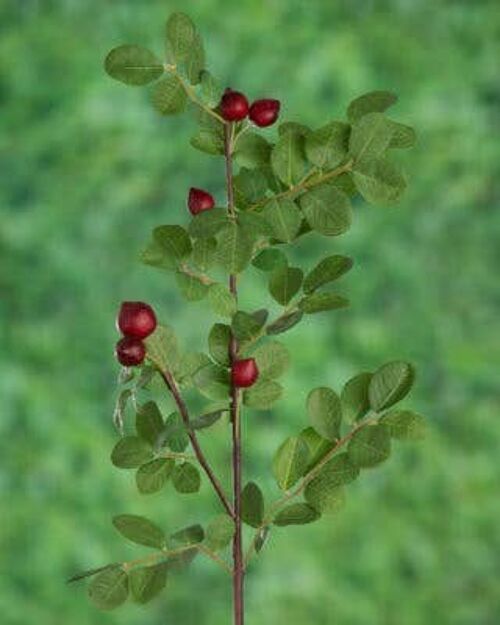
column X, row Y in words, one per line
column 136, row 319
column 130, row 351
column 265, row 112
column 244, row 373
column 233, row 106
column 199, row 200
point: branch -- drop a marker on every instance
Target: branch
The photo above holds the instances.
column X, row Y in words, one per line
column 275, row 507
column 305, row 184
column 170, row 382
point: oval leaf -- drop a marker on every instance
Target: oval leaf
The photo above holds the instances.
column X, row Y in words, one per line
column 220, row 532
column 152, row 476
column 325, row 412
column 272, row 359
column 263, row 394
column 140, row 530
column 133, row 65
column 109, row 589
column 390, row 384
column 186, row 478
column 130, row 452
column 285, row 283
column 168, row 96
column 147, row 582
column 327, row 210
column 252, row 505
column 326, row 271
column 284, row 218
column 296, row 514
column 404, row 425
column 370, row 446
column 290, row 461
column 354, row 397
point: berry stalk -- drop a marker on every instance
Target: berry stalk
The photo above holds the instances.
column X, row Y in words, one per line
column 238, row 560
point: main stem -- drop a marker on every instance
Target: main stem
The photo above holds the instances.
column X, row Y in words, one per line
column 238, row 560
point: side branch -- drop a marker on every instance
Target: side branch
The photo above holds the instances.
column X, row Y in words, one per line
column 172, row 386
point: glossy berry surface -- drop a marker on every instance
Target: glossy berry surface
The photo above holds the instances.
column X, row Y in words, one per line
column 136, row 319
column 199, row 201
column 233, row 106
column 130, row 351
column 265, row 112
column 244, row 373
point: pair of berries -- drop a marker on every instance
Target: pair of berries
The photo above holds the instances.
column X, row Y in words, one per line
column 136, row 321
column 234, row 107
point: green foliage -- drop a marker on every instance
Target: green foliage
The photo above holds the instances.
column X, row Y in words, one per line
column 404, row 424
column 370, row 446
column 109, row 589
column 186, row 478
column 285, row 283
column 325, row 412
column 133, row 65
column 289, row 462
column 130, row 452
column 327, row 210
column 272, row 358
column 263, row 394
column 373, row 102
column 168, row 96
column 288, row 158
column 327, row 147
column 149, row 422
column 147, row 582
column 152, row 476
column 389, row 384
column 354, row 397
column 140, row 530
column 220, row 532
column 252, row 505
column 326, row 271
column 296, row 514
column 284, row 217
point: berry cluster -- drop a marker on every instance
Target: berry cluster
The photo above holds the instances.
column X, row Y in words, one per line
column 136, row 321
column 234, row 107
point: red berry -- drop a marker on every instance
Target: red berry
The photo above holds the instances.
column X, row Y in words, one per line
column 199, row 200
column 244, row 373
column 265, row 112
column 233, row 106
column 130, row 351
column 136, row 319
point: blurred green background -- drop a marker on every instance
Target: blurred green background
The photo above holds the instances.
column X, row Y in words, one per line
column 87, row 168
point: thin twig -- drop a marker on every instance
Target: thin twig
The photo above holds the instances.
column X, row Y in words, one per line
column 172, row 386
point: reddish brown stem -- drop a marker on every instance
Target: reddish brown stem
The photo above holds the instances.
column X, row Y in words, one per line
column 172, row 386
column 238, row 561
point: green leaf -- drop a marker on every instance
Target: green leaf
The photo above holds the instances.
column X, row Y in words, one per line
column 290, row 461
column 212, row 381
column 284, row 217
column 370, row 446
column 285, row 283
column 140, row 530
column 147, row 582
column 191, row 535
column 319, row 302
column 390, row 384
column 221, row 300
column 180, row 561
column 92, row 572
column 379, row 182
column 294, row 127
column 207, row 419
column 270, row 259
column 404, row 425
column 234, row 248
column 220, row 532
column 208, row 139
column 208, row 223
column 195, row 63
column 218, row 343
column 327, row 147
column 180, row 32
column 186, row 478
column 327, row 210
column 263, row 394
column 285, row 322
column 325, row 500
column 318, row 447
column 354, row 397
column 249, row 186
column 288, row 158
column 133, row 65
column 191, row 287
column 403, row 137
column 372, row 102
column 325, row 412
column 370, row 137
column 168, row 96
column 273, row 359
column 252, row 505
column 326, row 271
column 130, row 452
column 252, row 150
column 152, row 476
column 171, row 245
column 211, row 90
column 204, row 253
column 175, row 435
column 296, row 514
column 162, row 349
column 322, row 491
column 187, row 367
column 149, row 422
column 109, row 589
column 245, row 326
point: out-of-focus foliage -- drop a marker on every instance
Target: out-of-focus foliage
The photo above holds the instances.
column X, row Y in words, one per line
column 87, row 169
